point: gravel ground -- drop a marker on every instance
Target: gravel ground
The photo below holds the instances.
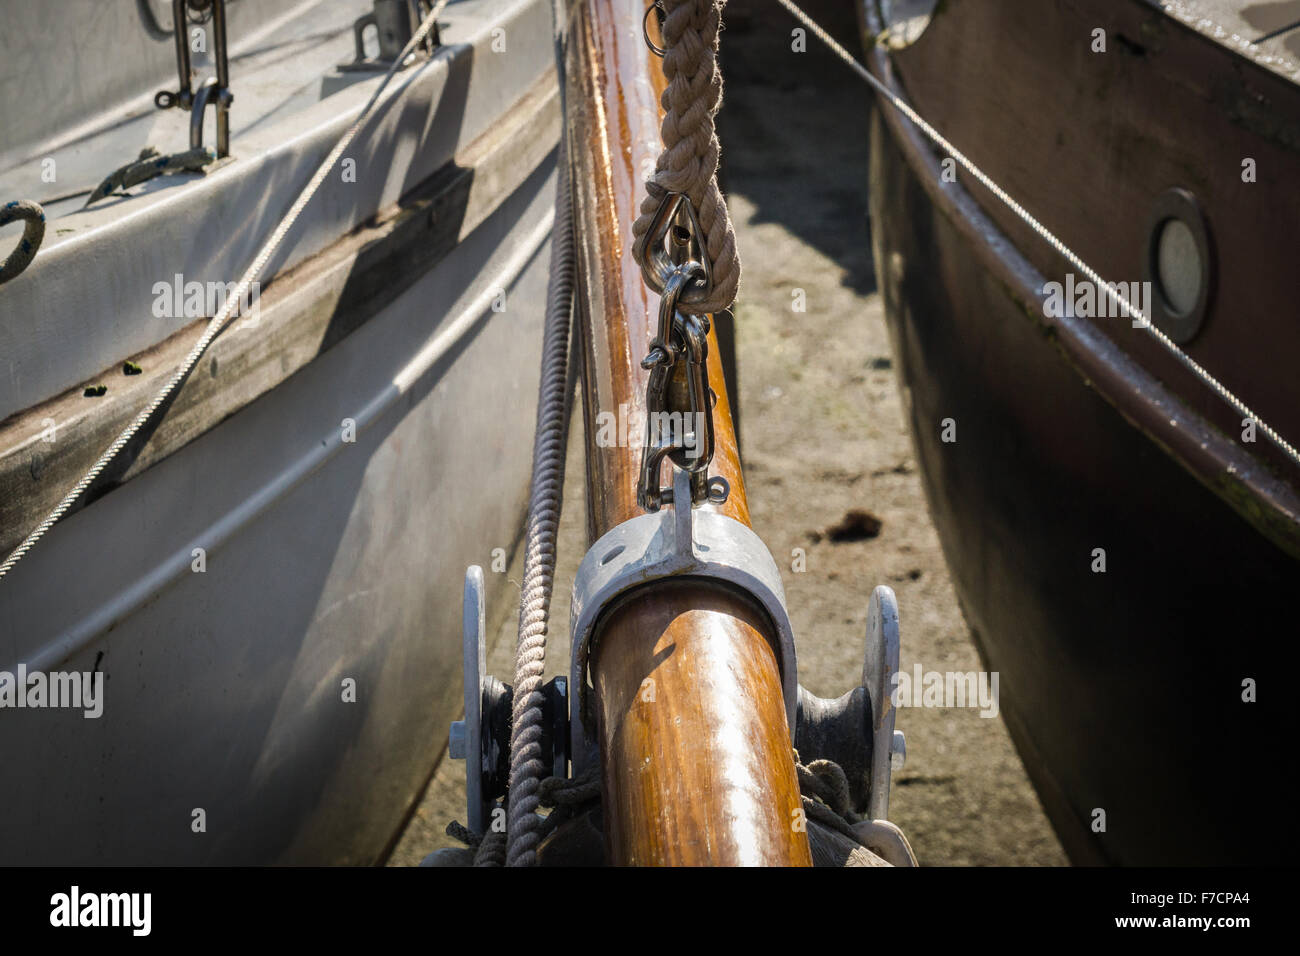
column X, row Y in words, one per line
column 823, row 433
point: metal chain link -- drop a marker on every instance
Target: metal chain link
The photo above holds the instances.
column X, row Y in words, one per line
column 679, row 402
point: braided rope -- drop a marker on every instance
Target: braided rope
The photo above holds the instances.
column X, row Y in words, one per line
column 150, row 164
column 824, row 789
column 33, row 233
column 492, row 850
column 689, row 161
column 225, row 313
column 527, row 768
column 823, row 786
column 572, row 792
column 568, row 797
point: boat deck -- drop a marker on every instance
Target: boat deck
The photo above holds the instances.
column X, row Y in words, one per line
column 290, row 106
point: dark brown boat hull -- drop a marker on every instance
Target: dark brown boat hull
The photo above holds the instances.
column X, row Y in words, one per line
column 1123, row 690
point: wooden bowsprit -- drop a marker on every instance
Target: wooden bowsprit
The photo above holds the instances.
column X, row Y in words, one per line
column 687, row 699
column 683, row 693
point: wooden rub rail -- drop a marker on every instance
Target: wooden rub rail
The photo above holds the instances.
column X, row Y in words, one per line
column 695, row 747
column 303, row 312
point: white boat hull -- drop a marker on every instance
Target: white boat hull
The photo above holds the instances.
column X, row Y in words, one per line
column 274, row 601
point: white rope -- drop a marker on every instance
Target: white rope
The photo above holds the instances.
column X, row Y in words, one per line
column 1070, row 256
column 224, row 314
column 527, row 769
column 528, row 773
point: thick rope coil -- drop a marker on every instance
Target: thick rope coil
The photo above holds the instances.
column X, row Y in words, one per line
column 826, row 780
column 33, row 233
column 489, row 849
column 828, row 802
column 492, row 850
column 563, row 792
column 825, row 791
column 689, row 161
column 567, row 798
column 823, row 787
column 526, row 766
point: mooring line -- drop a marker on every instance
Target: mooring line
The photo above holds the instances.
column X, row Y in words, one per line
column 1046, row 234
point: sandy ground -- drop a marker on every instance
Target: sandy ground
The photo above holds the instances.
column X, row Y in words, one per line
column 822, row 432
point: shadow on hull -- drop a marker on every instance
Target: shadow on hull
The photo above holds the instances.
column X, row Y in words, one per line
column 1123, row 689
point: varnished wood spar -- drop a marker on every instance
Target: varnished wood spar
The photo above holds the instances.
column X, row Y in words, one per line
column 692, row 729
column 693, row 733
